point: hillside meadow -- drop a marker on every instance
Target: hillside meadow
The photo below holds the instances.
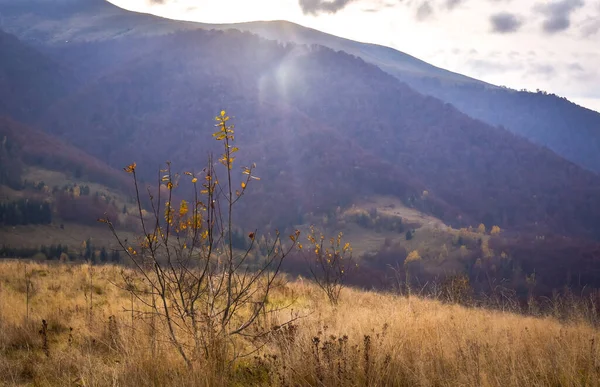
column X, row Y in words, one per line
column 93, row 339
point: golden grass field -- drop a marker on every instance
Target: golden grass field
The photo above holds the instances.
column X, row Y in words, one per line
column 369, row 339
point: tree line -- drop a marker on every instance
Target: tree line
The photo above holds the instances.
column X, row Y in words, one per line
column 25, row 211
column 62, row 252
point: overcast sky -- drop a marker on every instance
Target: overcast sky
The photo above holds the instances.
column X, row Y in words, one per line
column 553, row 45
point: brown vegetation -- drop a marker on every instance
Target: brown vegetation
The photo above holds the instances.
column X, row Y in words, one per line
column 39, row 148
column 334, row 139
column 368, row 339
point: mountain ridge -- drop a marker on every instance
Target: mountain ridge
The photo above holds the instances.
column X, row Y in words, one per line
column 494, row 105
column 465, row 164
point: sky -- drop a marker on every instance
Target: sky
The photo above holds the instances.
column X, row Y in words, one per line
column 551, row 45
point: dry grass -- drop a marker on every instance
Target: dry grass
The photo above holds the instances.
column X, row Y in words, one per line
column 369, row 339
column 71, row 235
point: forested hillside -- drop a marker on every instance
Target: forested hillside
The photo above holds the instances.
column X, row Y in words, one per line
column 52, row 25
column 29, row 81
column 301, row 111
column 327, row 130
column 546, row 119
column 21, row 146
column 570, row 130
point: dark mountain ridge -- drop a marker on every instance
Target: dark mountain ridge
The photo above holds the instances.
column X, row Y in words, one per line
column 302, row 118
column 57, row 21
column 327, row 129
column 569, row 130
column 29, row 81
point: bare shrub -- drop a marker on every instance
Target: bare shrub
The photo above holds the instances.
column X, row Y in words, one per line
column 193, row 279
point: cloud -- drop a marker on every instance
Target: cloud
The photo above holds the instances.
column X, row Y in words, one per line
column 484, row 67
column 315, row 7
column 590, row 26
column 451, row 4
column 542, row 70
column 424, row 11
column 557, row 14
column 505, row 22
column 575, row 67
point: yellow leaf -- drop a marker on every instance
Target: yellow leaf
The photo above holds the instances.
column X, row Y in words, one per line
column 183, row 208
column 222, row 113
column 195, row 180
column 243, row 185
column 130, row 168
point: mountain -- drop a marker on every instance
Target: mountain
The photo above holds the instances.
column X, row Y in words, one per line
column 330, row 132
column 24, row 146
column 388, row 59
column 318, row 137
column 325, row 126
column 568, row 129
column 29, row 81
column 67, row 21
column 62, row 21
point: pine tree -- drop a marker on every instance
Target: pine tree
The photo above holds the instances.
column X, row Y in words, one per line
column 103, row 255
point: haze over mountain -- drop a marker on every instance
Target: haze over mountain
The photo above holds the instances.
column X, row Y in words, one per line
column 571, row 131
column 330, row 132
column 318, row 137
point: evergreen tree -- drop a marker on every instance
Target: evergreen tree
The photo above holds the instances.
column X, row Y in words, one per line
column 115, row 256
column 103, row 255
column 89, row 251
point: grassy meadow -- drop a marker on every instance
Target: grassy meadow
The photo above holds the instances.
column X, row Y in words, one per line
column 93, row 339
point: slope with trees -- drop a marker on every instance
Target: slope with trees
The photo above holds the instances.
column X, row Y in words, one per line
column 29, row 80
column 569, row 130
column 326, row 119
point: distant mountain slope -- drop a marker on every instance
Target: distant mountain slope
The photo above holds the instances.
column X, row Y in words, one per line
column 388, row 59
column 571, row 131
column 324, row 126
column 568, row 129
column 29, row 81
column 61, row 21
column 32, row 147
